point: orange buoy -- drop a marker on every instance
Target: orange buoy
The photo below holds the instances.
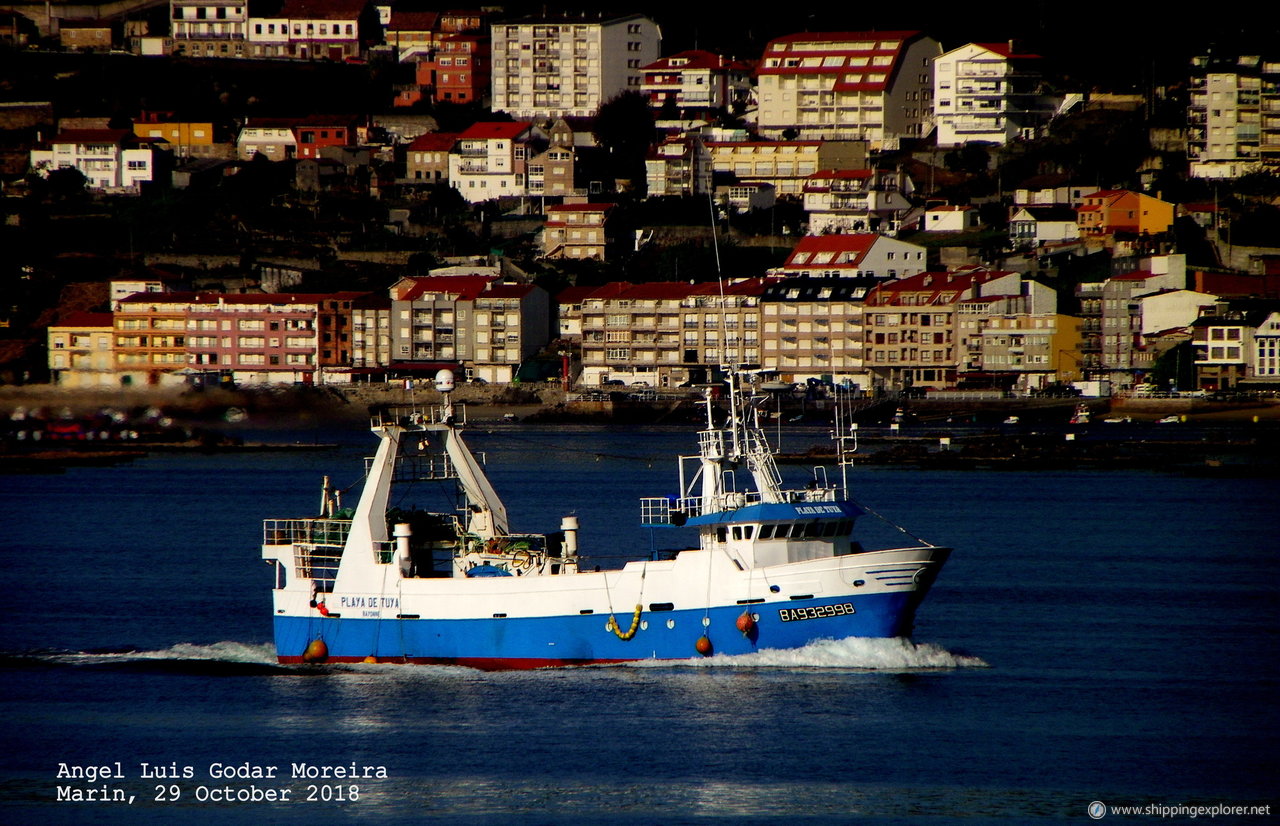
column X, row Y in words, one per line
column 746, row 623
column 323, row 609
column 370, row 659
column 317, row 652
column 704, row 646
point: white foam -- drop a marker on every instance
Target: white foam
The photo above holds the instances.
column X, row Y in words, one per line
column 225, row 651
column 859, row 653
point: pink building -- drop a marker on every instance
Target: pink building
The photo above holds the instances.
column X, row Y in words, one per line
column 269, row 338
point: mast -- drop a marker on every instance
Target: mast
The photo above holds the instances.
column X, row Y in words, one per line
column 486, row 514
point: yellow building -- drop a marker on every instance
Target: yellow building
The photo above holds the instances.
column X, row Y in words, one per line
column 1031, row 350
column 787, row 165
column 575, row 231
column 811, row 328
column 187, row 139
column 82, row 351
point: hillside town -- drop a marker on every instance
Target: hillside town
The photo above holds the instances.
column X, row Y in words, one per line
column 363, row 192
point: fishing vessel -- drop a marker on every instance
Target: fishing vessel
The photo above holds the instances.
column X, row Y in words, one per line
column 774, row 567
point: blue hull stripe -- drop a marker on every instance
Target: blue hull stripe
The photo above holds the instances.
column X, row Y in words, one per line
column 780, row 512
column 535, row 641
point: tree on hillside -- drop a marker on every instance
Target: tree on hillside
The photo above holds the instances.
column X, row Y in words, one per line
column 61, row 184
column 624, row 126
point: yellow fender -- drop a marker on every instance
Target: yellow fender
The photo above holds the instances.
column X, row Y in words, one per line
column 612, row 625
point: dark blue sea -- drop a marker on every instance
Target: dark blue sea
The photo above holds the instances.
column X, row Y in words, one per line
column 1097, row 636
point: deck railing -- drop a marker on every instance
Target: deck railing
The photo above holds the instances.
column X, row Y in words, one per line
column 658, row 510
column 331, row 532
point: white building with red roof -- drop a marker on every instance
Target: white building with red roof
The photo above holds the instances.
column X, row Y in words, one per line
column 853, row 255
column 696, row 81
column 490, row 160
column 856, row 200
column 989, row 92
column 874, row 86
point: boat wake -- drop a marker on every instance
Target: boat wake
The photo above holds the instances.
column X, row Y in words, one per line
column 219, row 658
column 856, row 653
column 246, row 659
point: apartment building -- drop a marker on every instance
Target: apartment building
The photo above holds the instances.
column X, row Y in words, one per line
column 328, row 29
column 511, row 324
column 1233, row 115
column 1022, row 351
column 665, row 334
column 555, row 171
column 1224, row 345
column 209, row 28
column 567, row 66
column 914, row 336
column 474, row 320
column 1120, row 327
column 426, row 314
column 1265, row 353
column 872, row 86
column 989, row 92
column 696, row 83
column 151, row 338
column 82, row 351
column 371, row 332
column 576, row 231
column 679, row 166
column 786, row 165
column 812, row 328
column 457, row 70
column 856, row 200
column 263, row 338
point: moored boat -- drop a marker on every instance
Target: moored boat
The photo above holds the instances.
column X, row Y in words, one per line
column 774, row 567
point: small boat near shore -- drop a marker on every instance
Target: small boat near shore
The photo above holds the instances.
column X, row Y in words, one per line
column 774, row 567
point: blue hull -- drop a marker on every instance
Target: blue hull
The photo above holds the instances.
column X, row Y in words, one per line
column 574, row 640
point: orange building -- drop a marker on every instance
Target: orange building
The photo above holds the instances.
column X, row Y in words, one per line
column 1109, row 211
